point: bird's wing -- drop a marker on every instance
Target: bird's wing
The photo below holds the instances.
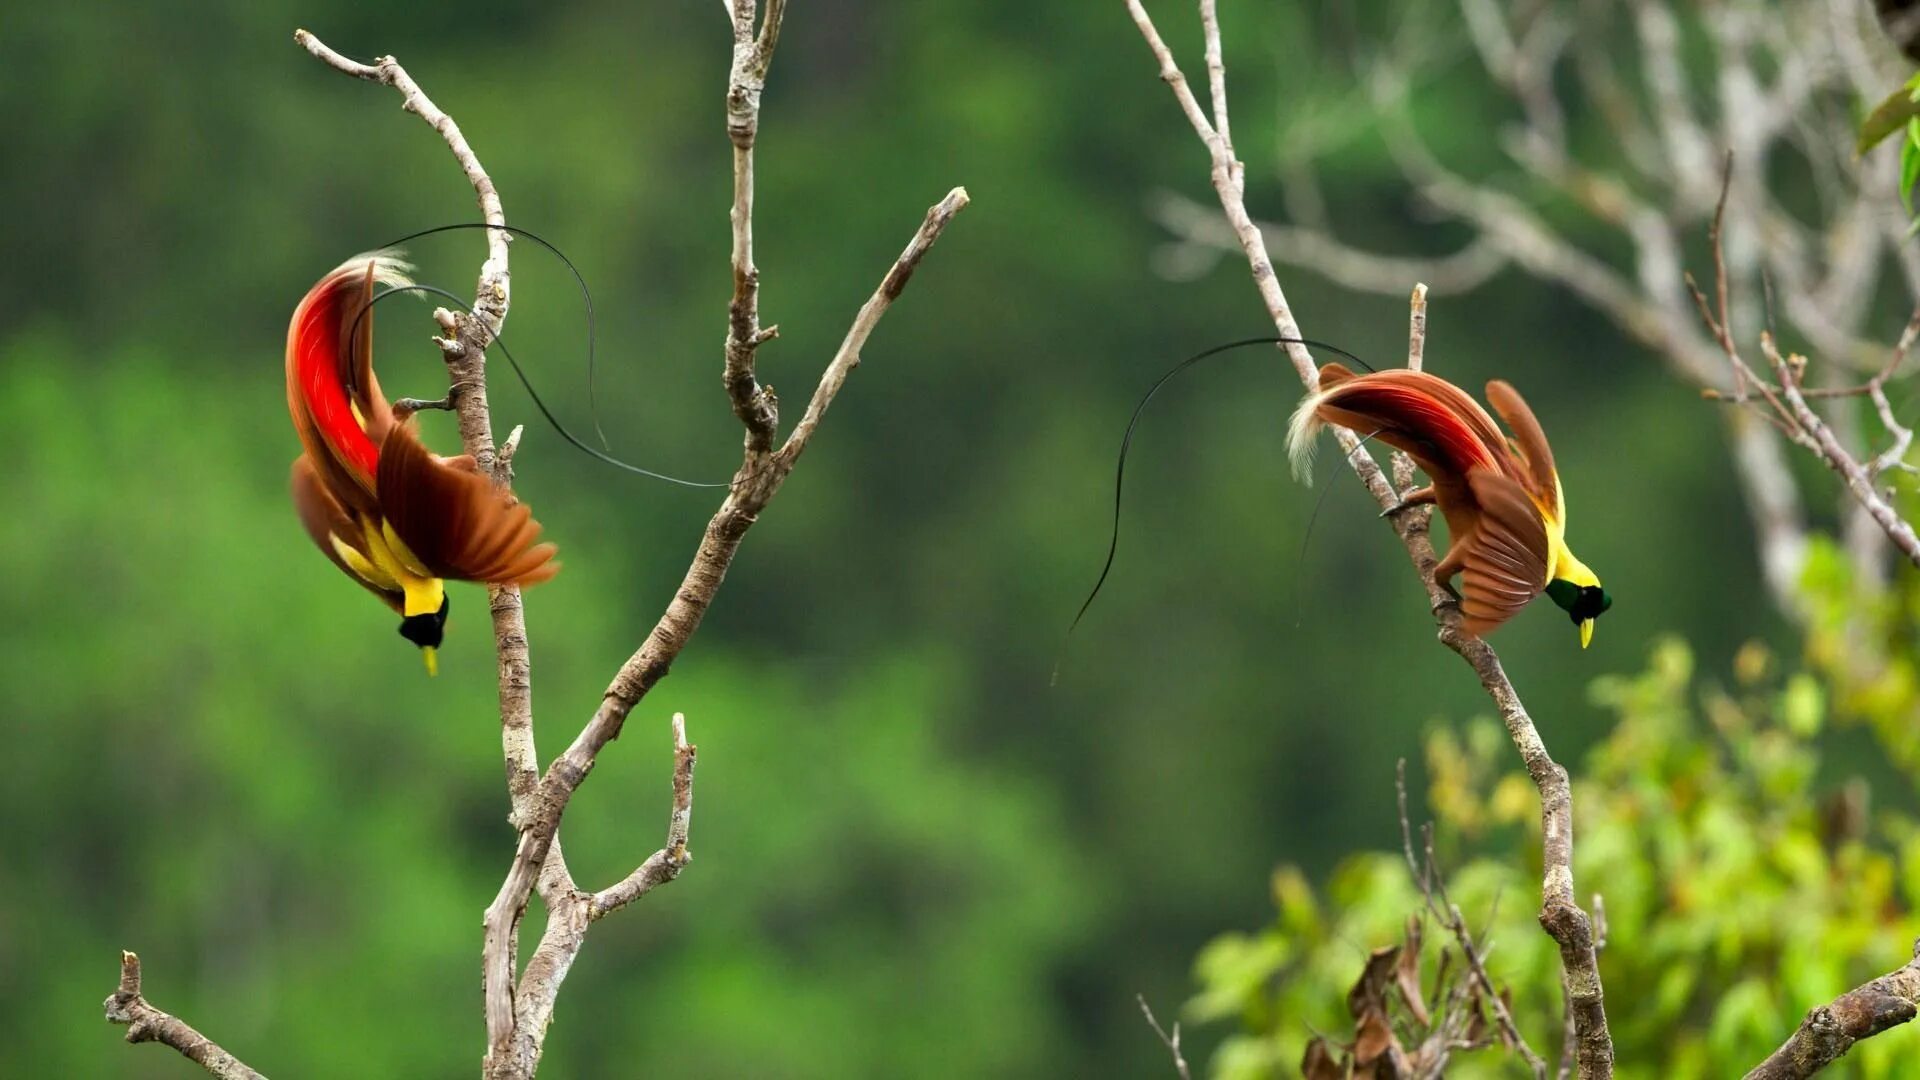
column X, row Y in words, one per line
column 328, row 523
column 1504, row 560
column 1536, row 456
column 455, row 522
column 1432, row 419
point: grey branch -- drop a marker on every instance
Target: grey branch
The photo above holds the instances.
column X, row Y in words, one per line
column 762, row 470
column 663, row 865
column 1830, row 1030
column 145, row 1023
column 1786, row 404
column 756, row 406
column 1560, row 915
column 1171, row 1040
column 755, row 483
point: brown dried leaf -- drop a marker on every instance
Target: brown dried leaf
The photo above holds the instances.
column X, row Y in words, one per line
column 1369, row 994
column 1477, row 1025
column 1319, row 1063
column 1407, row 974
column 1373, row 1038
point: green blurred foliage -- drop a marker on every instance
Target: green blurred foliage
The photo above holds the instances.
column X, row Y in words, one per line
column 912, row 856
column 1741, row 885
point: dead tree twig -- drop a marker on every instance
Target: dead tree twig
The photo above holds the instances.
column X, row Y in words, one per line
column 1785, row 399
column 145, row 1023
column 1172, row 1040
column 1831, row 1029
column 1560, row 914
column 1433, row 892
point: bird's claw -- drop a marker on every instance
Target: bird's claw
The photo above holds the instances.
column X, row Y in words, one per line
column 1417, row 497
column 406, row 407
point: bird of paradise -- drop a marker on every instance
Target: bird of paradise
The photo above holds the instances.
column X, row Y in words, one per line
column 1505, row 511
column 393, row 516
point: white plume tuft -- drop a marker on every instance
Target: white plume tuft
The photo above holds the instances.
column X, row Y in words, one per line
column 1303, row 433
column 390, row 267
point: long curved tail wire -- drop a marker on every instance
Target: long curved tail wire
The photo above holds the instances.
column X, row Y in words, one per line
column 531, row 392
column 1300, row 566
column 586, row 298
column 1126, row 443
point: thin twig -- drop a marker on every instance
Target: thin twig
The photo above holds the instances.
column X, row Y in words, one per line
column 756, row 407
column 663, row 865
column 758, row 478
column 1172, row 1040
column 145, row 1023
column 1859, row 482
column 1433, row 891
column 1416, row 361
column 1674, row 139
column 464, row 350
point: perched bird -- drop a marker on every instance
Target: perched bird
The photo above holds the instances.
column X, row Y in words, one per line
column 397, row 518
column 1501, row 497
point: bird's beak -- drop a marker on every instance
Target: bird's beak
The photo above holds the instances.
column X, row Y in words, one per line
column 1586, row 633
column 432, row 655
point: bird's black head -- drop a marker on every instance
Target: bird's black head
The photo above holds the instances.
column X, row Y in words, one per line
column 426, row 630
column 1582, row 603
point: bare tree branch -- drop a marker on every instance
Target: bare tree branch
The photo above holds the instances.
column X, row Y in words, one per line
column 1172, row 1041
column 145, row 1023
column 1787, row 404
column 464, row 348
column 758, row 479
column 1858, row 479
column 1560, row 914
column 663, row 865
column 1831, row 1030
column 752, row 57
column 518, row 1015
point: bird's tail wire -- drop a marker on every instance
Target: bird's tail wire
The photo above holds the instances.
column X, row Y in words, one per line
column 390, row 251
column 1126, row 444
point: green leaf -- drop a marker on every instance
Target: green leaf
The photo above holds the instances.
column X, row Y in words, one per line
column 1909, row 168
column 1802, row 706
column 1889, row 116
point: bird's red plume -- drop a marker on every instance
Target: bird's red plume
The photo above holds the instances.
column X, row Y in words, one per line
column 330, row 376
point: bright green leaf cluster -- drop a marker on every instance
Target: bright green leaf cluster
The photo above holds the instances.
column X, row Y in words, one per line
column 1899, row 112
column 1740, row 887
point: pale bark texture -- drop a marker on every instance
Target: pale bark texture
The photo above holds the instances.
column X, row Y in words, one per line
column 1831, row 1030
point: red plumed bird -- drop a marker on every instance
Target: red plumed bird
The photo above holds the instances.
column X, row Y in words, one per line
column 1505, row 511
column 393, row 516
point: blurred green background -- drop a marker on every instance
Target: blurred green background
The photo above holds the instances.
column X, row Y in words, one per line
column 913, row 856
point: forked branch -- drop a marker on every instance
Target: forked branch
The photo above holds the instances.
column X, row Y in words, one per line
column 518, row 1012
